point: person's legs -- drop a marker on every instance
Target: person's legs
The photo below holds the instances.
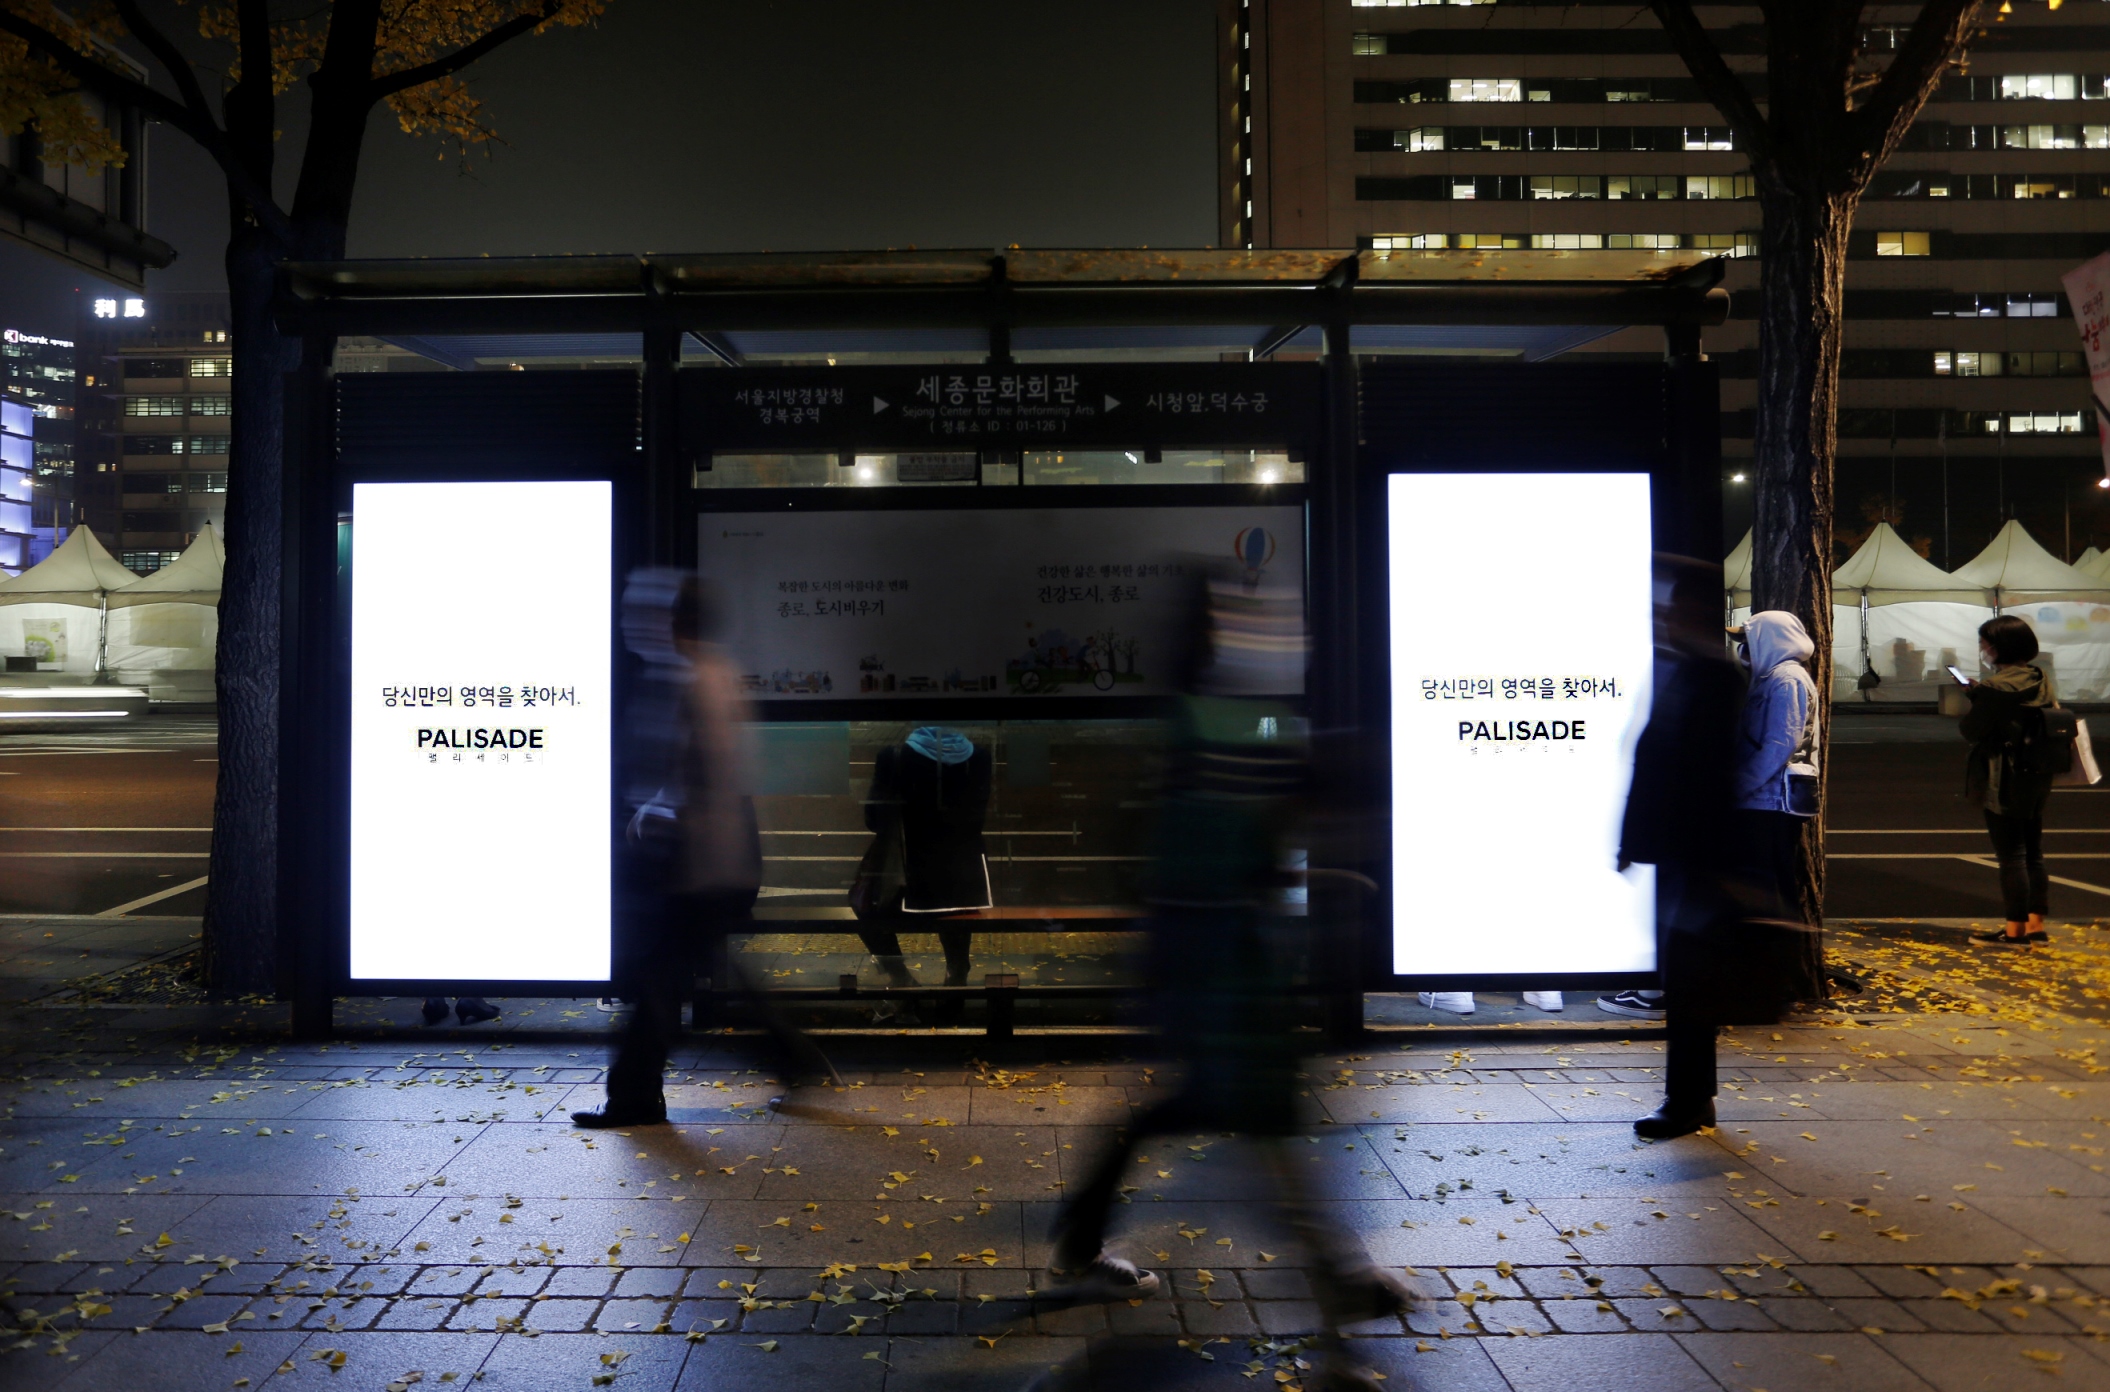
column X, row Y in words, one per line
column 2039, row 899
column 2018, row 844
column 885, row 944
column 1689, row 1083
column 957, row 944
column 1080, row 1225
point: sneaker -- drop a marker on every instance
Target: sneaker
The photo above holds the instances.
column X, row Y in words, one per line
column 1545, row 1000
column 1642, row 1005
column 435, row 1010
column 2005, row 939
column 1365, row 1293
column 1457, row 1002
column 1105, row 1281
column 474, row 1010
column 609, row 1004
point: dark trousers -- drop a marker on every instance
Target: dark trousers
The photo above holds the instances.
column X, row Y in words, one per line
column 658, row 970
column 1217, row 994
column 1688, row 903
column 1771, row 863
column 2018, row 843
column 886, row 942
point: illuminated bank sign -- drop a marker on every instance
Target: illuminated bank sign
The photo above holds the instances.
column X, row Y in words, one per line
column 1520, row 661
column 480, row 725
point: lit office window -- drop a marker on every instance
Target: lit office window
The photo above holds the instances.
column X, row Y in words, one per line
column 1709, row 138
column 1368, row 46
column 2032, row 307
column 1486, row 89
column 1967, row 364
column 2040, row 137
column 212, row 367
column 1487, row 241
column 1644, row 186
column 1729, row 243
column 1904, row 244
column 1567, row 241
column 1420, row 139
column 153, row 405
column 1566, row 186
column 1719, row 186
column 2045, row 423
column 2040, row 86
column 212, row 405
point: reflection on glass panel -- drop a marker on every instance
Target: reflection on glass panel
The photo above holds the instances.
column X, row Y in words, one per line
column 1161, row 466
column 954, row 467
column 1067, row 828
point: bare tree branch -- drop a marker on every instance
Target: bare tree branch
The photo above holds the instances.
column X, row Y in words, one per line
column 115, row 87
column 462, row 57
column 1720, row 86
column 1937, row 36
column 166, row 53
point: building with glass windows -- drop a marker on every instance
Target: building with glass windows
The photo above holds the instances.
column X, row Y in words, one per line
column 37, row 372
column 1498, row 127
column 155, row 414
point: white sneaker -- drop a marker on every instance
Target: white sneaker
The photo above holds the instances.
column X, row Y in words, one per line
column 1457, row 1002
column 1544, row 1000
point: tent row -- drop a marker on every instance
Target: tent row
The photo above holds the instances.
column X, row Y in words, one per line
column 79, row 612
column 1898, row 620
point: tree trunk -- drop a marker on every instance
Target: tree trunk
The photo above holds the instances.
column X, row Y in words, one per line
column 241, row 934
column 1802, row 277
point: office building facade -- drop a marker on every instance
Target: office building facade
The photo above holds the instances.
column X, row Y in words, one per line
column 37, row 373
column 1494, row 128
column 156, row 411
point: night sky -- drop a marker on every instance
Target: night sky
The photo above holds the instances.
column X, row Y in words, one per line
column 686, row 125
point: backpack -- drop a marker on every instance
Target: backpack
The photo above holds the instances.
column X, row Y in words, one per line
column 2038, row 742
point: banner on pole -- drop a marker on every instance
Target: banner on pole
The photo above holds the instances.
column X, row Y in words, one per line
column 2088, row 287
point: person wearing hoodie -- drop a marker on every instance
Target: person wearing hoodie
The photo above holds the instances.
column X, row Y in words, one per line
column 930, row 796
column 2006, row 777
column 1776, row 758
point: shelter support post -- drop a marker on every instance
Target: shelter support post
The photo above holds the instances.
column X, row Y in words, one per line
column 311, row 933
column 1337, row 909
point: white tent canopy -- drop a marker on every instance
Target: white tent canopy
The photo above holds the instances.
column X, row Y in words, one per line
column 81, row 571
column 1736, row 573
column 2087, row 559
column 54, row 611
column 192, row 578
column 164, row 629
column 2013, row 569
column 1886, row 570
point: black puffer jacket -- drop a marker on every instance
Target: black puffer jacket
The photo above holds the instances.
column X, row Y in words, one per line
column 938, row 810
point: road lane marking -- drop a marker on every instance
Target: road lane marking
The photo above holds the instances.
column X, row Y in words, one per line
column 106, row 855
column 156, row 898
column 1992, row 864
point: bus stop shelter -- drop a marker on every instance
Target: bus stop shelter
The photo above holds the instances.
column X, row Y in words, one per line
column 874, row 452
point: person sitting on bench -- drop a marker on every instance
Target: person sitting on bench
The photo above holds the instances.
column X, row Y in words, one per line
column 926, row 807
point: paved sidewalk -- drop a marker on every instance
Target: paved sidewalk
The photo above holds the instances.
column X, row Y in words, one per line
column 1908, row 1199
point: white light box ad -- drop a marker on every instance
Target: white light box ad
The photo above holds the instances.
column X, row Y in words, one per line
column 481, row 709
column 1521, row 652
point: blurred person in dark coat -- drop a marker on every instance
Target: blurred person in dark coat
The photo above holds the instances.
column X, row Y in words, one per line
column 693, row 851
column 1237, row 774
column 1680, row 819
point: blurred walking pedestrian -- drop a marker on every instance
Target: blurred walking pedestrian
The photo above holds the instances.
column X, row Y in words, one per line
column 1678, row 819
column 1236, row 775
column 693, row 851
column 2014, row 756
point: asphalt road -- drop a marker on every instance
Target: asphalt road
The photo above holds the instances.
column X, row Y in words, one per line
column 96, row 823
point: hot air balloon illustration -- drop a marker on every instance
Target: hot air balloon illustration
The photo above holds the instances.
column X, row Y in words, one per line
column 1254, row 548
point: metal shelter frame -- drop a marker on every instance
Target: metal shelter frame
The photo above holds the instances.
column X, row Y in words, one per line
column 1011, row 302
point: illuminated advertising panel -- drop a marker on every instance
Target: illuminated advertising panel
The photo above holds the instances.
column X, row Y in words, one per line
column 1521, row 649
column 481, row 702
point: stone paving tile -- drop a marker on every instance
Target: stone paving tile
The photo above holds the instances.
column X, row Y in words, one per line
column 376, row 1357
column 1563, row 1362
column 802, row 1363
column 567, row 1362
column 1845, row 1362
column 1970, row 1363
column 180, row 1360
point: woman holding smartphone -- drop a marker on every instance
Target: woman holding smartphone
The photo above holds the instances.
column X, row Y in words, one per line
column 2004, row 774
